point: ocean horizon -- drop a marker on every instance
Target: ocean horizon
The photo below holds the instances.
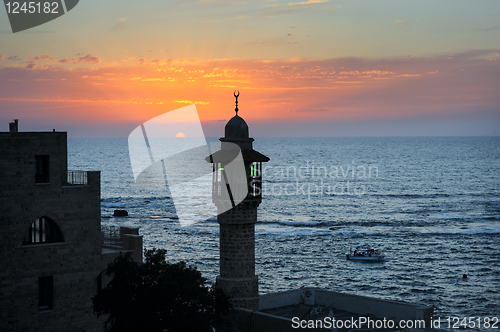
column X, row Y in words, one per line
column 433, row 203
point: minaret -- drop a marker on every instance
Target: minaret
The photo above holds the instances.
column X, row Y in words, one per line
column 237, row 222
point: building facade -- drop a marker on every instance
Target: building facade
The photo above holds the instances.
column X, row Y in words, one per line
column 51, row 247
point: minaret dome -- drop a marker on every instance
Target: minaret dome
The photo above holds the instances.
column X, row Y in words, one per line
column 236, row 128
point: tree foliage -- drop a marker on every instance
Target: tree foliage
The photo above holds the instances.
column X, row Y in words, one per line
column 158, row 296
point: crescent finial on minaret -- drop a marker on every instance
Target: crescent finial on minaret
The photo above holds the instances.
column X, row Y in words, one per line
column 236, row 96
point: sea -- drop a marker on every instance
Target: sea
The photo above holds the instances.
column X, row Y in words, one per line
column 432, row 203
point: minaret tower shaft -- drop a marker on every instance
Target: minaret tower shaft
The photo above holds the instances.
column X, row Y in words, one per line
column 237, row 222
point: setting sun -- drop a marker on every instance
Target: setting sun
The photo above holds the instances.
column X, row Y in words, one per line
column 180, row 135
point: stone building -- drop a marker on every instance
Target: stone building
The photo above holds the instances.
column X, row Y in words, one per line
column 52, row 252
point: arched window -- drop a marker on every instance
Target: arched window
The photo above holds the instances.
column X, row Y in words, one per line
column 43, row 230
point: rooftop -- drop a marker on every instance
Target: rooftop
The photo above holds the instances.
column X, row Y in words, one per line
column 283, row 311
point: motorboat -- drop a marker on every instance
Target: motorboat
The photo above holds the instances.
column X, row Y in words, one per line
column 366, row 253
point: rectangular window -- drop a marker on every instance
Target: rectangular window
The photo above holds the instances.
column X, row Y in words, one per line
column 46, row 293
column 42, row 169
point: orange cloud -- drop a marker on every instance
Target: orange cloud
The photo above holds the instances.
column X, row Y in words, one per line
column 331, row 90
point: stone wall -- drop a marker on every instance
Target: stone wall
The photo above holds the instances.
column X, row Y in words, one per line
column 244, row 320
column 237, row 255
column 74, row 263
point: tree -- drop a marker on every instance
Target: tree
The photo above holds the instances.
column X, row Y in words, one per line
column 158, row 296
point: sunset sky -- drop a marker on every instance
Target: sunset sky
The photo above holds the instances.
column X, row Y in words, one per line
column 303, row 68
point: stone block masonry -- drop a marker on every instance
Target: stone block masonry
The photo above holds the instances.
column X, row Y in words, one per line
column 237, row 255
column 50, row 237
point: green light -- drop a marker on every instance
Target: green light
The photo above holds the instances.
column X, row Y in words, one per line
column 221, row 168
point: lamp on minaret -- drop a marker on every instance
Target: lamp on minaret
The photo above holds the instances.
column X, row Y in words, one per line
column 237, row 221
